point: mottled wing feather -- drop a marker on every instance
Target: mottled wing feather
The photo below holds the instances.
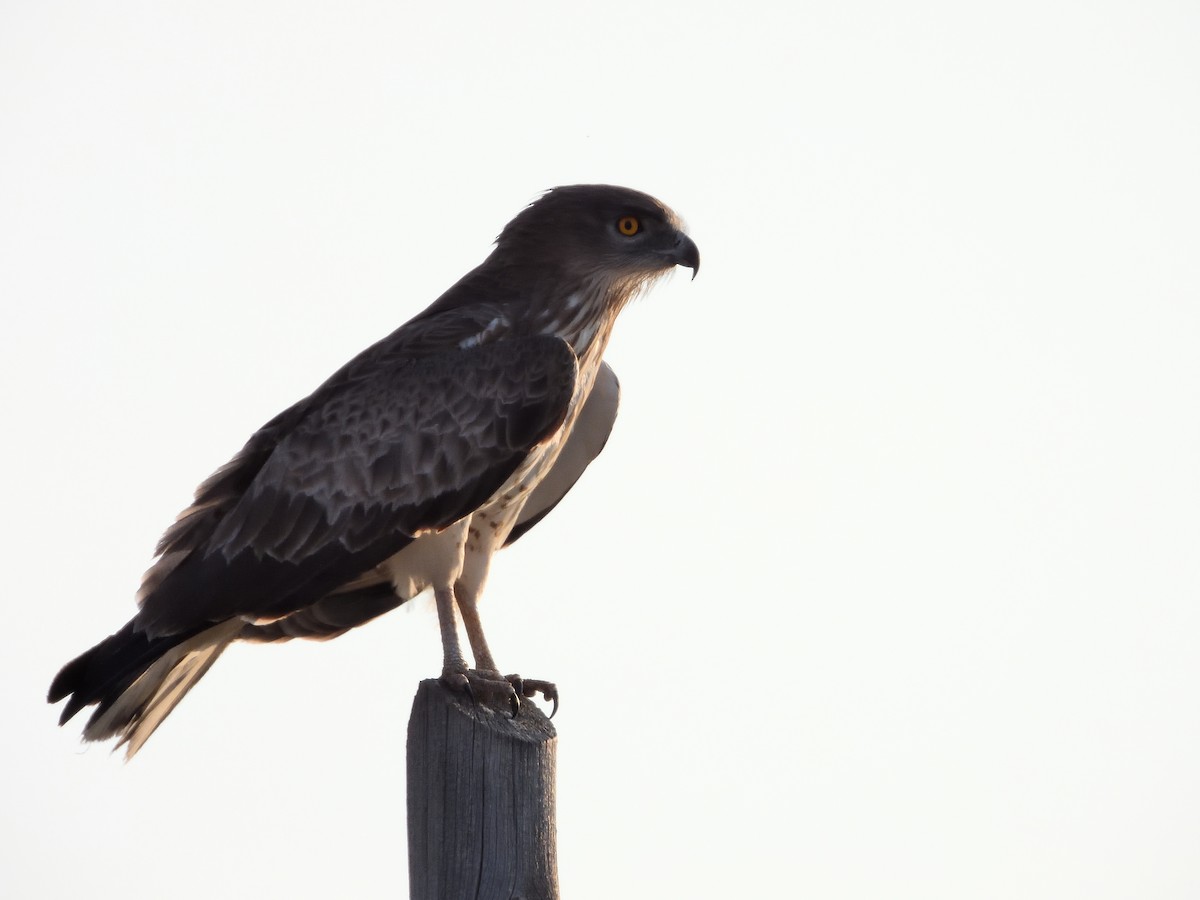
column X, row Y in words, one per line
column 214, row 498
column 393, row 451
column 461, row 317
column 337, row 613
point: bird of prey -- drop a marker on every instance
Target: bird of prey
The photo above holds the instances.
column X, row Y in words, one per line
column 405, row 471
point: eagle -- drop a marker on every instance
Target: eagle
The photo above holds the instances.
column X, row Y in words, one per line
column 405, row 471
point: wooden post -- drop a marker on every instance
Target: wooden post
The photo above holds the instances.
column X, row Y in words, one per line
column 480, row 800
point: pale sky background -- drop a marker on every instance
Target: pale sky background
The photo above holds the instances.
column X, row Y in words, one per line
column 887, row 583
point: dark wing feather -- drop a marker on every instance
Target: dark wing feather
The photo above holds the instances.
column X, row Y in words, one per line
column 332, row 615
column 337, row 613
column 367, row 463
column 457, row 316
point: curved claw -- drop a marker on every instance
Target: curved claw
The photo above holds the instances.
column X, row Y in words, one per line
column 528, row 687
column 550, row 692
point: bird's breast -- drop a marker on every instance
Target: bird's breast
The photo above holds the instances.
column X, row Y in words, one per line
column 464, row 550
column 490, row 525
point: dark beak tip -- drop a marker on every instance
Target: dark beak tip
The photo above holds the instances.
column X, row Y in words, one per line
column 688, row 254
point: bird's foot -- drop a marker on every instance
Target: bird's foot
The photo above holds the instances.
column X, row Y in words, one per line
column 489, row 688
column 529, row 687
column 492, row 688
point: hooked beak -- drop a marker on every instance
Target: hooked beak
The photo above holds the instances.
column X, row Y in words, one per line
column 686, row 253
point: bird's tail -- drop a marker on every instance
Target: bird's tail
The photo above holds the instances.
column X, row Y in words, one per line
column 136, row 681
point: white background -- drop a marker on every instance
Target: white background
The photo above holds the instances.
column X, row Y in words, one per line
column 886, row 585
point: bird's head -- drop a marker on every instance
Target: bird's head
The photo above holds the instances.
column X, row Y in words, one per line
column 585, row 230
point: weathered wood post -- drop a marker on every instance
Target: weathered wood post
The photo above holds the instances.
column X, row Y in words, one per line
column 480, row 800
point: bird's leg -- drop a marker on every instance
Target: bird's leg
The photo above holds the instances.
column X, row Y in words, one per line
column 469, row 607
column 485, row 685
column 484, row 681
column 484, row 664
column 454, row 665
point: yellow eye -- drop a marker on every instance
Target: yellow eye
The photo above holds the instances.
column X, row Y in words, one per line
column 628, row 225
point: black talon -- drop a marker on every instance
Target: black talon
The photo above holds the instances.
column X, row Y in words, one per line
column 517, row 686
column 531, row 688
